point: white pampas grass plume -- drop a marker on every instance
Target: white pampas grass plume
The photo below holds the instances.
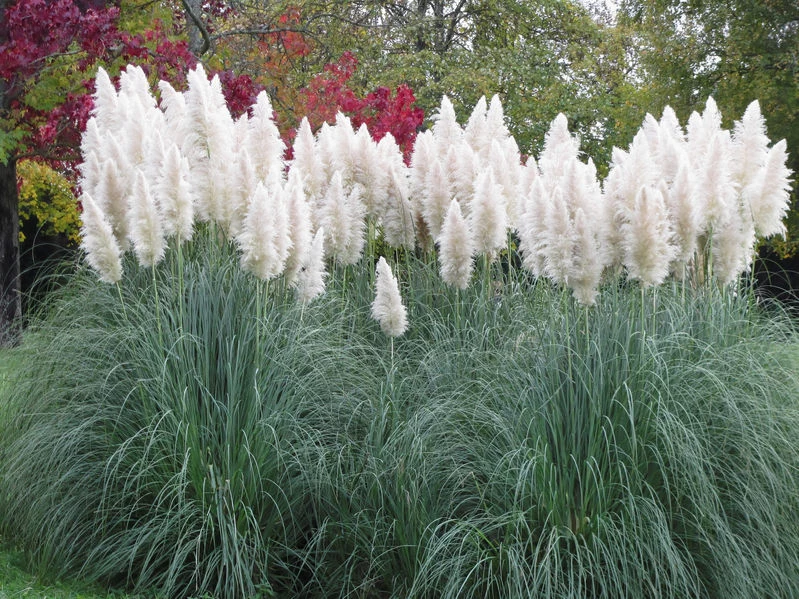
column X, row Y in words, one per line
column 685, row 212
column 716, row 184
column 506, row 164
column 463, row 165
column 134, row 85
column 173, row 192
column 436, row 199
column 102, row 250
column 558, row 240
column 242, row 188
column 145, row 228
column 263, row 142
column 532, row 227
column 456, row 248
column 113, row 199
column 174, row 106
column 647, row 238
column 343, row 220
column 259, row 238
column 423, row 157
column 446, row 130
column 475, row 133
column 560, row 147
column 588, row 260
column 105, row 102
column 209, row 145
column 488, row 218
column 750, row 145
column 311, row 278
column 299, row 224
column 397, row 213
column 768, row 195
column 90, row 172
column 496, row 129
column 733, row 246
column 387, row 308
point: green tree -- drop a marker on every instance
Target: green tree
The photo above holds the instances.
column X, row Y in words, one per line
column 736, row 50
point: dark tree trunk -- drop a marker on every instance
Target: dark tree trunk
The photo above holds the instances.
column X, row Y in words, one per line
column 10, row 298
column 195, row 28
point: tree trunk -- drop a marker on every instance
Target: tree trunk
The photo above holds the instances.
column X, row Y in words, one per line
column 195, row 29
column 10, row 299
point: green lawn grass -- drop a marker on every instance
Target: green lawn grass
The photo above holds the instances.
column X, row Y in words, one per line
column 16, row 581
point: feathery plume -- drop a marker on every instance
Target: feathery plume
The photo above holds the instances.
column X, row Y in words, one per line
column 532, row 228
column 173, row 193
column 263, row 141
column 749, row 145
column 311, row 278
column 113, row 199
column 343, row 220
column 768, row 195
column 647, row 238
column 299, row 225
column 105, row 102
column 588, row 263
column 446, row 130
column 475, row 133
column 260, row 253
column 456, row 248
column 145, row 227
column 733, row 246
column 387, row 308
column 102, row 251
column 436, row 199
column 488, row 219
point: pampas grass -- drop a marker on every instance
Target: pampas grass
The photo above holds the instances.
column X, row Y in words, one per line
column 510, row 444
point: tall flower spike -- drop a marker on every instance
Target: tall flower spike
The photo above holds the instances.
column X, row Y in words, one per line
column 768, row 196
column 102, row 250
column 174, row 195
column 311, row 278
column 488, row 218
column 343, row 220
column 446, row 130
column 647, row 239
column 733, row 246
column 559, row 240
column 750, row 145
column 299, row 219
column 436, row 199
column 145, row 227
column 588, row 263
column 105, row 101
column 456, row 248
column 260, row 254
column 475, row 133
column 387, row 308
column 263, row 143
column 112, row 198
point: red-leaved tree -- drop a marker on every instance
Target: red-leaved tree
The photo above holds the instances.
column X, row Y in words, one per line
column 34, row 34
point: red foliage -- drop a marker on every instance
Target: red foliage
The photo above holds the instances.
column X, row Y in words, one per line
column 34, row 31
column 382, row 111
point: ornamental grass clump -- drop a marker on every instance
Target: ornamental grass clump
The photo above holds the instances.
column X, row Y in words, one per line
column 165, row 449
column 613, row 418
